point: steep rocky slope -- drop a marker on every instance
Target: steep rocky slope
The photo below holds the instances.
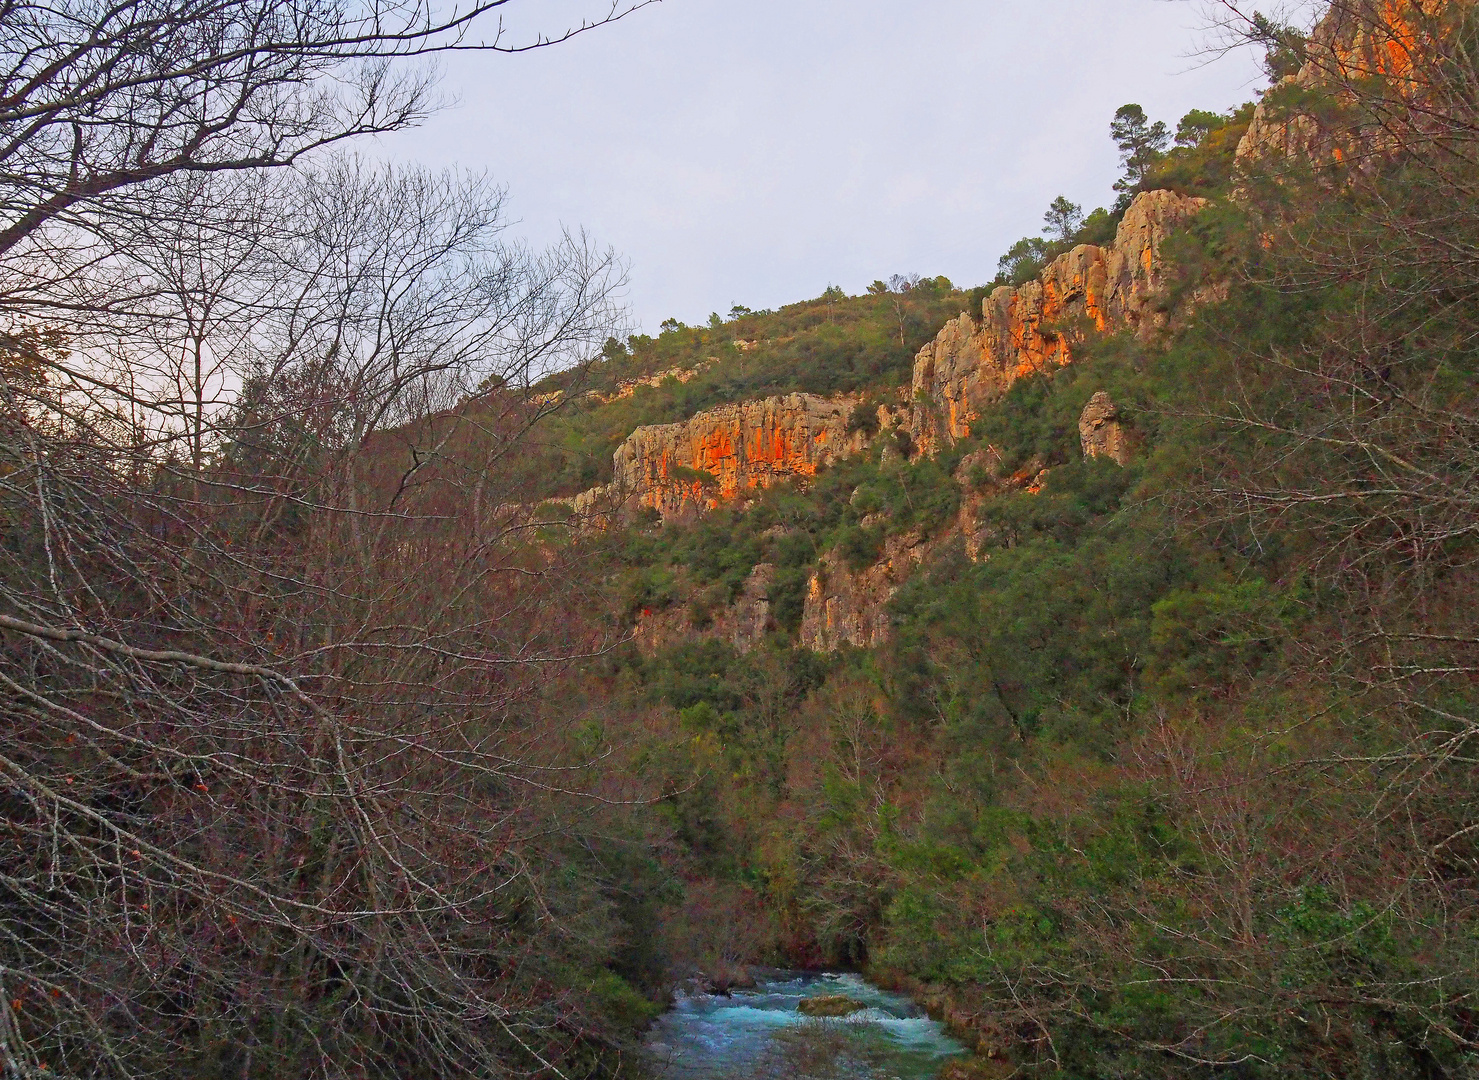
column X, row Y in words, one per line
column 846, row 606
column 743, row 622
column 1353, row 45
column 723, row 454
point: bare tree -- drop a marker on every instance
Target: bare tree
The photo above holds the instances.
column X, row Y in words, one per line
column 278, row 783
column 1350, row 449
column 188, row 299
column 1366, row 430
column 99, row 97
column 281, row 789
column 1310, row 905
column 102, row 105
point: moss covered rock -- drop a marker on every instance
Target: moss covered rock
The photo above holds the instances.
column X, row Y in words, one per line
column 830, row 1005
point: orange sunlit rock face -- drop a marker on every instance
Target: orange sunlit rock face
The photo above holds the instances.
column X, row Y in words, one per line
column 1381, row 39
column 1037, row 326
column 1397, row 37
column 723, row 453
column 1373, row 44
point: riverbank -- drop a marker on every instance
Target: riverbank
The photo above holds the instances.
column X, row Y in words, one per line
column 985, row 1040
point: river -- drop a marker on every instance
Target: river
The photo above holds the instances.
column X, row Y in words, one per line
column 761, row 1033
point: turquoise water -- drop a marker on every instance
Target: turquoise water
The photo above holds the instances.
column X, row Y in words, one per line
column 759, row 1034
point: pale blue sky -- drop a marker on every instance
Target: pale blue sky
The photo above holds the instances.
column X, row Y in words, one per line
column 755, row 151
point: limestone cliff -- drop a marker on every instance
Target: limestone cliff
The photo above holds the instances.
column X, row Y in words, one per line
column 720, row 454
column 1280, row 132
column 1357, row 42
column 844, row 607
column 972, row 363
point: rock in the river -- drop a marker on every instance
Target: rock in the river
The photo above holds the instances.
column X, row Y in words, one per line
column 829, row 1005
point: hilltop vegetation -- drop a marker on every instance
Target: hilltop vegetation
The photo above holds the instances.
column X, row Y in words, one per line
column 836, row 344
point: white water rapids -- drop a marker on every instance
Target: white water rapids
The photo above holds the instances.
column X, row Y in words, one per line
column 760, row 1034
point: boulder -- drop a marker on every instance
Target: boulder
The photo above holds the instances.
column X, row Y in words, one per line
column 1101, row 432
column 829, row 1005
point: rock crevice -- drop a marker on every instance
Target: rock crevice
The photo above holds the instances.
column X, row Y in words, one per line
column 848, row 607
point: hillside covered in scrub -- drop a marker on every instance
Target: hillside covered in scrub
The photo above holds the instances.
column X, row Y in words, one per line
column 409, row 674
column 1106, row 675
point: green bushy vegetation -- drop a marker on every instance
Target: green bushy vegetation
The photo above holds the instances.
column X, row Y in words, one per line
column 1027, row 797
column 850, row 508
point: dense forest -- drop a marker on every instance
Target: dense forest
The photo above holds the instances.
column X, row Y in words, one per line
column 333, row 745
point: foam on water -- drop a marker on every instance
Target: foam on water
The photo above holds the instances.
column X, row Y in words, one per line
column 712, row 1037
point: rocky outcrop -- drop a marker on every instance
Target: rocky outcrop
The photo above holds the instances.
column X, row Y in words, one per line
column 972, row 363
column 847, row 607
column 627, row 387
column 1357, row 41
column 719, row 455
column 1101, row 432
column 1278, row 131
column 743, row 623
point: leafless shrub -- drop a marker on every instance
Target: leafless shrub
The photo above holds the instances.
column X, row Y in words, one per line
column 281, row 790
column 1361, row 439
column 1345, row 456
